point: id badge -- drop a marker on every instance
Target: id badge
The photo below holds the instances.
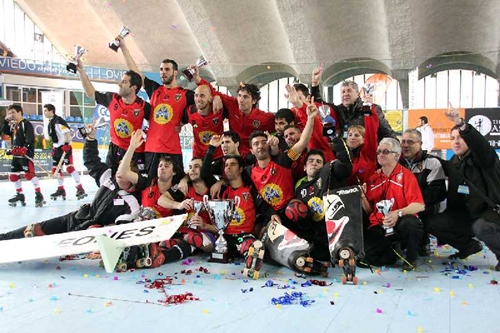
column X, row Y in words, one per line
column 463, row 189
column 118, row 202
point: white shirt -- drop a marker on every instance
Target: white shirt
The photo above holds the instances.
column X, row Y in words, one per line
column 427, row 137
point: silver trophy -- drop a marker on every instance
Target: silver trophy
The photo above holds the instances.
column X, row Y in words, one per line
column 369, row 89
column 72, row 67
column 101, row 122
column 115, row 43
column 384, row 206
column 197, row 207
column 327, row 120
column 199, row 63
column 221, row 214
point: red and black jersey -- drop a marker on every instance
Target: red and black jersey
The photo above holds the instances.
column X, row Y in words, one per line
column 364, row 161
column 167, row 106
column 242, row 124
column 275, row 182
column 124, row 119
column 298, row 171
column 204, row 127
column 317, row 141
column 401, row 185
column 150, row 196
column 22, row 134
column 244, row 215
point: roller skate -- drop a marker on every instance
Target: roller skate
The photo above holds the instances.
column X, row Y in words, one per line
column 39, row 202
column 80, row 193
column 33, row 230
column 310, row 265
column 128, row 258
column 347, row 261
column 61, row 192
column 19, row 197
column 254, row 260
column 150, row 256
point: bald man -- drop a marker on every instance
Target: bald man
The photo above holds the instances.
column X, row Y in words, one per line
column 206, row 123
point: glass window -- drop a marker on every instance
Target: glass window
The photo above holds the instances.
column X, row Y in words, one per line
column 13, row 94
column 30, row 108
column 75, row 111
column 88, row 101
column 75, row 98
column 29, row 95
column 454, row 88
column 466, row 91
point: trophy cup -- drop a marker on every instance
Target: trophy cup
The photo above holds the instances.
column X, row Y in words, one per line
column 199, row 63
column 369, row 89
column 384, row 206
column 72, row 67
column 115, row 43
column 197, row 207
column 327, row 120
column 84, row 131
column 221, row 213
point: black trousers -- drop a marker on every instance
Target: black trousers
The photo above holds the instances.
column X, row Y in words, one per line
column 56, row 225
column 378, row 248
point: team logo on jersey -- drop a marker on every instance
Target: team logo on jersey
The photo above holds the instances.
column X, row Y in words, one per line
column 163, row 114
column 256, row 124
column 123, row 128
column 273, row 171
column 246, row 196
column 238, row 217
column 215, row 121
column 272, row 194
column 399, row 177
column 205, row 137
column 178, row 97
column 137, row 112
column 316, row 208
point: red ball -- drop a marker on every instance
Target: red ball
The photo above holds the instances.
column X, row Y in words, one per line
column 296, row 211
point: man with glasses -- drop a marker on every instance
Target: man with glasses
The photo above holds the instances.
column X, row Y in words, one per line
column 430, row 176
column 393, row 199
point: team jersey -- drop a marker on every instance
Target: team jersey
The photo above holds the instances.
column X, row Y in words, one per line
column 204, row 127
column 317, row 141
column 401, row 185
column 274, row 182
column 56, row 130
column 124, row 119
column 244, row 125
column 150, row 196
column 167, row 106
column 244, row 215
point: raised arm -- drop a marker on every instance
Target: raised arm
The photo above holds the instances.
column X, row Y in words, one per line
column 88, row 87
column 124, row 171
column 128, row 58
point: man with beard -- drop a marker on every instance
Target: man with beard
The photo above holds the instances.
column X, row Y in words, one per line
column 168, row 102
column 126, row 114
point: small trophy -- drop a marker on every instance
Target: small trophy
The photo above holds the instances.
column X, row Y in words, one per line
column 327, row 120
column 221, row 213
column 197, row 207
column 384, row 206
column 84, row 131
column 115, row 43
column 369, row 89
column 73, row 65
column 199, row 63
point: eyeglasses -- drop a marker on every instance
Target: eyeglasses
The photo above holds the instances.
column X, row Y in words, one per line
column 409, row 142
column 386, row 152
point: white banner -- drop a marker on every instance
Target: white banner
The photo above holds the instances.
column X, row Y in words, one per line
column 55, row 98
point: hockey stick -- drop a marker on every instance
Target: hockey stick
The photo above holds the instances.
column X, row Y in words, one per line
column 59, row 165
column 36, row 163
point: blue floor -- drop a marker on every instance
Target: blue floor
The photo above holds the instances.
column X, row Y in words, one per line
column 78, row 296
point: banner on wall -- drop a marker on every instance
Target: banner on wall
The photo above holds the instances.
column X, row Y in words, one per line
column 440, row 125
column 377, row 85
column 487, row 122
column 395, row 119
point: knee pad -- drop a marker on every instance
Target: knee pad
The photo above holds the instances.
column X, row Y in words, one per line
column 245, row 245
column 29, row 175
column 14, row 177
column 169, row 243
column 194, row 238
column 70, row 169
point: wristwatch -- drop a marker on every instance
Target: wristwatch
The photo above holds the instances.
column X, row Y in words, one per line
column 400, row 213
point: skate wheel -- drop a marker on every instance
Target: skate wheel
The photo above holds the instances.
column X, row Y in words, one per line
column 255, row 275
column 148, row 262
column 310, row 259
column 245, row 272
column 344, row 254
column 55, row 199
column 250, row 251
column 355, row 280
column 139, row 263
column 261, row 254
column 28, row 234
column 307, row 269
column 341, row 263
column 64, row 198
column 324, row 274
column 352, row 262
column 12, row 204
column 122, row 267
column 344, row 279
column 300, row 262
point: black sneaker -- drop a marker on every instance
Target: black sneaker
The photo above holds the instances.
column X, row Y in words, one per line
column 473, row 247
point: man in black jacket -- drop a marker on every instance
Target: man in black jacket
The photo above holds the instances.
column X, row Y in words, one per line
column 473, row 174
column 430, row 176
column 23, row 149
column 116, row 201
